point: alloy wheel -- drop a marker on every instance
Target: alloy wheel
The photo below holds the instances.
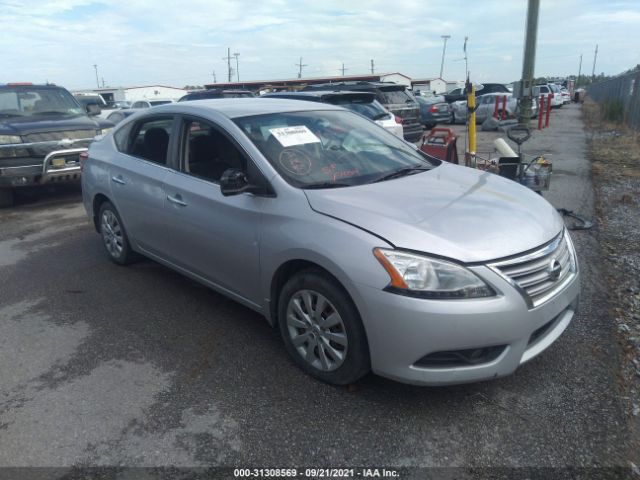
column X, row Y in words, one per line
column 111, row 233
column 316, row 330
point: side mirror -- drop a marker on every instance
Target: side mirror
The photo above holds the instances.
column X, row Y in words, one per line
column 93, row 109
column 233, row 182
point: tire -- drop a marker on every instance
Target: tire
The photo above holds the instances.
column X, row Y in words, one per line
column 114, row 237
column 334, row 351
column 6, row 197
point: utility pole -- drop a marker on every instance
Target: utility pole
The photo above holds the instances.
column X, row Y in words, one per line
column 593, row 70
column 102, row 82
column 214, row 76
column 528, row 63
column 343, row 69
column 466, row 65
column 372, row 66
column 579, row 72
column 95, row 67
column 228, row 59
column 237, row 67
column 300, row 65
column 444, row 49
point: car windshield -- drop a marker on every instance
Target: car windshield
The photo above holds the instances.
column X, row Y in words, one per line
column 326, row 149
column 35, row 101
column 372, row 110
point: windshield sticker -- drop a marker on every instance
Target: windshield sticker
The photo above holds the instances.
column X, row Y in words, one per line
column 290, row 136
column 295, row 162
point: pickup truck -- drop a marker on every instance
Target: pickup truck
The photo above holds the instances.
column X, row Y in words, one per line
column 43, row 131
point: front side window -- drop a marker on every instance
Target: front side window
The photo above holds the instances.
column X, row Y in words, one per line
column 150, row 139
column 325, row 149
column 207, row 153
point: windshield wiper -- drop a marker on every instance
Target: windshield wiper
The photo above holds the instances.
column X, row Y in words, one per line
column 319, row 185
column 402, row 172
column 50, row 112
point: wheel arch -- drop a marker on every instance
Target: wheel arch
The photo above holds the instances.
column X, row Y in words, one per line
column 98, row 200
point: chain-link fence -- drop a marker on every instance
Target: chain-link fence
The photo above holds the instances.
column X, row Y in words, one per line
column 619, row 98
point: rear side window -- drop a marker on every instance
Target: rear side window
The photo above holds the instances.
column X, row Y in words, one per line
column 396, row 96
column 149, row 139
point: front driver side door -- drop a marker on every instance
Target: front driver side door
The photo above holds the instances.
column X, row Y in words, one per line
column 213, row 237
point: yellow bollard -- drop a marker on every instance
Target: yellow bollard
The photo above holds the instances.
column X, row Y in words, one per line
column 471, row 105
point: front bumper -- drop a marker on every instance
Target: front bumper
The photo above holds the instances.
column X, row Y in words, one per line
column 402, row 330
column 57, row 166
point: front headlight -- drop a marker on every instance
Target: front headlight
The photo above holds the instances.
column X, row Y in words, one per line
column 421, row 276
column 9, row 139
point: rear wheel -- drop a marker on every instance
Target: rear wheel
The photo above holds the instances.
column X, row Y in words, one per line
column 6, row 197
column 321, row 328
column 114, row 236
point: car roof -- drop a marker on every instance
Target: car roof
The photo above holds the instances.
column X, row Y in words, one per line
column 244, row 107
column 319, row 94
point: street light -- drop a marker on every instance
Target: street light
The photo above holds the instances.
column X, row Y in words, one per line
column 237, row 69
column 96, row 69
column 444, row 49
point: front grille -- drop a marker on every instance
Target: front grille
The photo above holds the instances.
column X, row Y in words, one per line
column 51, row 136
column 543, row 273
column 43, row 150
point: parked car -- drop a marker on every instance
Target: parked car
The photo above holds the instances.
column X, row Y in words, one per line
column 351, row 241
column 216, row 93
column 459, row 94
column 364, row 103
column 43, row 131
column 486, row 106
column 118, row 115
column 434, row 110
column 566, row 96
column 151, row 103
column 95, row 99
column 394, row 97
column 545, row 90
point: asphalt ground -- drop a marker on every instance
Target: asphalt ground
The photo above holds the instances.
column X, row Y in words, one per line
column 102, row 365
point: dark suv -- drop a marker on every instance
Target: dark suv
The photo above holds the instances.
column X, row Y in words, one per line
column 43, row 131
column 458, row 94
column 364, row 103
column 394, row 97
column 216, row 93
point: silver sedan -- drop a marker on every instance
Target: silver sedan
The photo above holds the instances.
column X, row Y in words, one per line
column 366, row 253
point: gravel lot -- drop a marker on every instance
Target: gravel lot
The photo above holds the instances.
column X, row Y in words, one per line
column 137, row 366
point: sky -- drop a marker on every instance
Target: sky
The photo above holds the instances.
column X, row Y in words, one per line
column 146, row 42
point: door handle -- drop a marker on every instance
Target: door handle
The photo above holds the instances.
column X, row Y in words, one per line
column 177, row 200
column 118, row 180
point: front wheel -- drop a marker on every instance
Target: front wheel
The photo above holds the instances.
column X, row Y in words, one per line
column 321, row 328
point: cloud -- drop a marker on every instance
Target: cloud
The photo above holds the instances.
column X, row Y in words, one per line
column 178, row 43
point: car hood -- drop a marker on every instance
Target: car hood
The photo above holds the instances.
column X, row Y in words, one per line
column 450, row 211
column 48, row 123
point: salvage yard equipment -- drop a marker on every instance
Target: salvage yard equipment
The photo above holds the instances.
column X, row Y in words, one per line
column 441, row 144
